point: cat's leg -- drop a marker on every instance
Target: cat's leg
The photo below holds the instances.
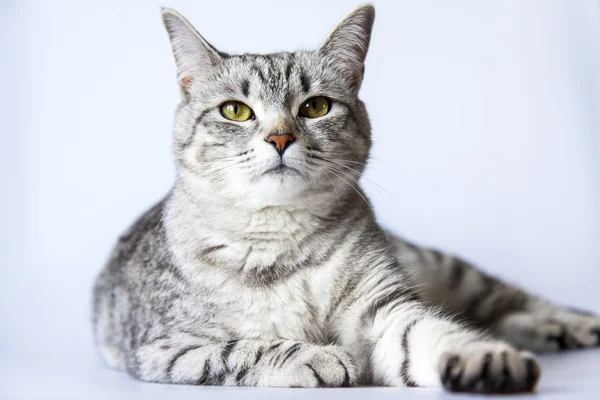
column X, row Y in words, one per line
column 407, row 344
column 193, row 360
column 542, row 327
column 507, row 311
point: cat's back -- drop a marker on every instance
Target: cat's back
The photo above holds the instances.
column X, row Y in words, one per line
column 139, row 257
column 143, row 233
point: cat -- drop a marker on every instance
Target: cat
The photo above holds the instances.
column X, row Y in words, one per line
column 264, row 266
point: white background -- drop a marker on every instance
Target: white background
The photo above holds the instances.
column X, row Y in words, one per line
column 486, row 124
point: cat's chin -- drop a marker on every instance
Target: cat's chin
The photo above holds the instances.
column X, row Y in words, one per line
column 279, row 186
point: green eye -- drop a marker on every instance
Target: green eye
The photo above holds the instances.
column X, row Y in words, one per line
column 315, row 107
column 236, row 111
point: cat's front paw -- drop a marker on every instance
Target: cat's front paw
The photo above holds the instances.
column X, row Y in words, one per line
column 488, row 367
column 558, row 329
column 315, row 366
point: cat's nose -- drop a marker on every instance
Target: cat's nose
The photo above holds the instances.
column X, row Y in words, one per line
column 281, row 142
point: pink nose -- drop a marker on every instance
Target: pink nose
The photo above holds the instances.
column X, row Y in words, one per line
column 281, row 142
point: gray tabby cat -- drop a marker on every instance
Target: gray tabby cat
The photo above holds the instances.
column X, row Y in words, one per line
column 264, row 265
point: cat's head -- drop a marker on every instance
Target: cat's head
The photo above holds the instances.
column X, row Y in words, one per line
column 274, row 128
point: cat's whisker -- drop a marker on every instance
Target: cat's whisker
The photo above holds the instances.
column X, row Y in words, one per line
column 211, row 187
column 313, row 179
column 197, row 167
column 370, row 166
column 355, row 179
column 334, row 188
column 360, row 194
column 350, row 176
column 220, row 174
column 368, row 180
column 388, row 163
column 379, row 187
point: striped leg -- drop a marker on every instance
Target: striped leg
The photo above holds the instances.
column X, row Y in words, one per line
column 279, row 363
column 543, row 327
column 415, row 347
column 507, row 311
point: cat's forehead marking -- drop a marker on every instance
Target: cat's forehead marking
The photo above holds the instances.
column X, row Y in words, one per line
column 273, row 78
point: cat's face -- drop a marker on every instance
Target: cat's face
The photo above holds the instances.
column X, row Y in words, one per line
column 273, row 128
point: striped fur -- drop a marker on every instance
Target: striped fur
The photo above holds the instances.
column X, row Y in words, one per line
column 244, row 276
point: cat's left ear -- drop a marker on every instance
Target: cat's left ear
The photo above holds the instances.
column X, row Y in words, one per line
column 348, row 42
column 194, row 56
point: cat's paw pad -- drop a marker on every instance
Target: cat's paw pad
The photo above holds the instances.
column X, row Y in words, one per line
column 561, row 329
column 489, row 368
column 318, row 366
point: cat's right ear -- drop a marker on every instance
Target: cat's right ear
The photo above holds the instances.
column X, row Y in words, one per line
column 194, row 56
column 348, row 43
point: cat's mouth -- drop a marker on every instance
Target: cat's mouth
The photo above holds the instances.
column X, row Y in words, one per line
column 281, row 170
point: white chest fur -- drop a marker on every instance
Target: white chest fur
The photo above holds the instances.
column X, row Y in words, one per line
column 296, row 309
column 271, row 235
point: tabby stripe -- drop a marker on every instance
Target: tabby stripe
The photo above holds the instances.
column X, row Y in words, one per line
column 505, row 378
column 218, row 380
column 346, row 382
column 288, row 70
column 305, row 82
column 289, row 352
column 316, row 374
column 190, row 139
column 173, row 270
column 259, row 354
column 275, row 346
column 273, row 72
column 144, row 340
column 366, row 134
column 204, row 378
column 391, row 298
column 405, row 369
column 260, row 74
column 507, row 301
column 351, row 284
column 438, row 256
column 325, row 257
column 418, row 251
column 227, row 350
column 245, row 87
column 476, row 301
column 242, row 374
column 275, row 358
column 457, row 273
column 212, row 249
column 200, row 117
column 177, row 356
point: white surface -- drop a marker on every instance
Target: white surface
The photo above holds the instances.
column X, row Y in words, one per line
column 487, row 143
column 572, row 376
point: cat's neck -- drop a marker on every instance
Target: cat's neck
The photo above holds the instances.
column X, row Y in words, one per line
column 240, row 234
column 242, row 217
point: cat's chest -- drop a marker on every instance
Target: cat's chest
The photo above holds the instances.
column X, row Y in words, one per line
column 269, row 237
column 296, row 309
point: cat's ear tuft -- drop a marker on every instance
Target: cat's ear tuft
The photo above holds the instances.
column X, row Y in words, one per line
column 348, row 42
column 194, row 56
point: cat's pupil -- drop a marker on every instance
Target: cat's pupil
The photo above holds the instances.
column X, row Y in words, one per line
column 235, row 109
